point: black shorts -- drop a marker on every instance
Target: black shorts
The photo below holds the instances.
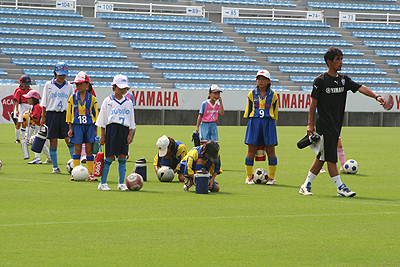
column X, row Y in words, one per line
column 116, row 143
column 330, row 149
column 57, row 127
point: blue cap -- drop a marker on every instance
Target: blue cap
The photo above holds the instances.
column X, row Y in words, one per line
column 61, row 68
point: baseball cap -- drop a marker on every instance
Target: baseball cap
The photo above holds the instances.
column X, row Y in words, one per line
column 162, row 144
column 121, row 81
column 32, row 93
column 61, row 68
column 215, row 88
column 25, row 79
column 264, row 73
column 212, row 149
column 81, row 77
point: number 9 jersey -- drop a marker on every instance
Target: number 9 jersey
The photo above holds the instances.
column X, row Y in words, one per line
column 261, row 107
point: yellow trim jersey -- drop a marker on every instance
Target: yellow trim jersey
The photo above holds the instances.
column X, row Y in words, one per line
column 82, row 112
column 261, row 107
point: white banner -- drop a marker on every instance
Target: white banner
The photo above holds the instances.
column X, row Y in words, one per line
column 233, row 100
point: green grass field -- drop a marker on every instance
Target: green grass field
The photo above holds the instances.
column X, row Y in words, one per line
column 47, row 220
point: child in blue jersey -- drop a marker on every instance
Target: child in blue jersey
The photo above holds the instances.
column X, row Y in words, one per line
column 205, row 156
column 117, row 122
column 81, row 117
column 54, row 106
column 170, row 153
column 262, row 111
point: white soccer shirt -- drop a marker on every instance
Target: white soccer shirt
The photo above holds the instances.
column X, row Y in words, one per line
column 55, row 97
column 116, row 111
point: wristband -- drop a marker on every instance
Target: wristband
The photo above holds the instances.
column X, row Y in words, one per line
column 376, row 98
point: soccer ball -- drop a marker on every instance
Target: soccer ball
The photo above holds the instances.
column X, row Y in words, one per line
column 80, row 173
column 350, row 166
column 260, row 176
column 134, row 181
column 165, row 174
column 69, row 166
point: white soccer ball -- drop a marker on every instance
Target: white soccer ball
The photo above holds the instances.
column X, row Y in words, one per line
column 69, row 166
column 165, row 174
column 260, row 176
column 80, row 173
column 350, row 166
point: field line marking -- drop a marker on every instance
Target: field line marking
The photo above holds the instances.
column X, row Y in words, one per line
column 201, row 218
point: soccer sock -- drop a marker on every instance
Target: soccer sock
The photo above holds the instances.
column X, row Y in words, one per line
column 90, row 164
column 106, row 169
column 71, row 149
column 23, row 132
column 121, row 170
column 53, row 156
column 76, row 160
column 342, row 157
column 310, row 178
column 31, row 131
column 37, row 156
column 17, row 134
column 337, row 181
column 273, row 164
column 248, row 164
column 46, row 151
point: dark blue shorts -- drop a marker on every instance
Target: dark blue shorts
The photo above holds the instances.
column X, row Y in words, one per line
column 116, row 143
column 261, row 131
column 83, row 133
column 57, row 127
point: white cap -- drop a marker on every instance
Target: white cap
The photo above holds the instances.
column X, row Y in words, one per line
column 264, row 73
column 121, row 81
column 215, row 88
column 162, row 145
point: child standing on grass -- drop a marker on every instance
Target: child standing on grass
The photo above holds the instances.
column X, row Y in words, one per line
column 82, row 112
column 33, row 98
column 117, row 122
column 208, row 115
column 21, row 105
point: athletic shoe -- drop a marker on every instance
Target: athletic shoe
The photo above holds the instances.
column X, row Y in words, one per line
column 187, row 185
column 17, row 141
column 122, row 187
column 35, row 161
column 306, row 190
column 322, row 170
column 92, row 178
column 270, row 182
column 103, row 187
column 343, row 191
column 48, row 161
column 56, row 170
column 249, row 181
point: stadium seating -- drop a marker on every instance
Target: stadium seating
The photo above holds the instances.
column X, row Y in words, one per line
column 381, row 35
column 201, row 86
column 58, row 33
column 74, row 63
column 2, row 72
column 196, row 57
column 362, row 80
column 205, row 67
column 324, row 5
column 317, row 70
column 40, row 12
column 55, row 42
column 287, row 32
column 42, row 22
column 287, row 41
column 92, row 74
column 371, row 26
column 186, row 47
column 278, row 23
column 186, row 19
column 175, row 37
column 375, row 89
column 388, row 53
column 61, row 53
column 309, row 60
column 210, row 77
column 304, row 51
column 7, row 82
column 275, row 3
column 163, row 27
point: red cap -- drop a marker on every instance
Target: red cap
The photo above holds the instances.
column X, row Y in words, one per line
column 81, row 77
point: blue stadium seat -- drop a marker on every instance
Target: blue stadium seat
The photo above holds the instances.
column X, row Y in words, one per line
column 388, row 53
column 55, row 42
column 275, row 3
column 382, row 35
column 371, row 26
column 382, row 44
column 175, row 37
column 164, row 27
column 42, row 32
column 46, row 22
column 91, row 74
column 211, row 77
column 309, row 60
column 186, row 47
column 62, row 53
column 74, row 63
column 305, row 51
column 277, row 23
column 2, row 72
column 7, row 82
column 201, row 86
column 40, row 12
column 205, row 67
column 362, row 80
column 287, row 32
column 324, row 5
column 197, row 57
column 186, row 19
column 285, row 41
column 317, row 70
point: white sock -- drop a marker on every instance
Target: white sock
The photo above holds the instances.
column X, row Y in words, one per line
column 310, row 178
column 37, row 156
column 17, row 134
column 337, row 181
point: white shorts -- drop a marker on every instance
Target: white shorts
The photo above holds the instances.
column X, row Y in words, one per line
column 22, row 108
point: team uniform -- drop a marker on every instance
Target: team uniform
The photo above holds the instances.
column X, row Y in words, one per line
column 208, row 125
column 117, row 117
column 331, row 94
column 55, row 100
column 262, row 113
column 177, row 156
column 83, row 117
column 188, row 165
column 23, row 105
